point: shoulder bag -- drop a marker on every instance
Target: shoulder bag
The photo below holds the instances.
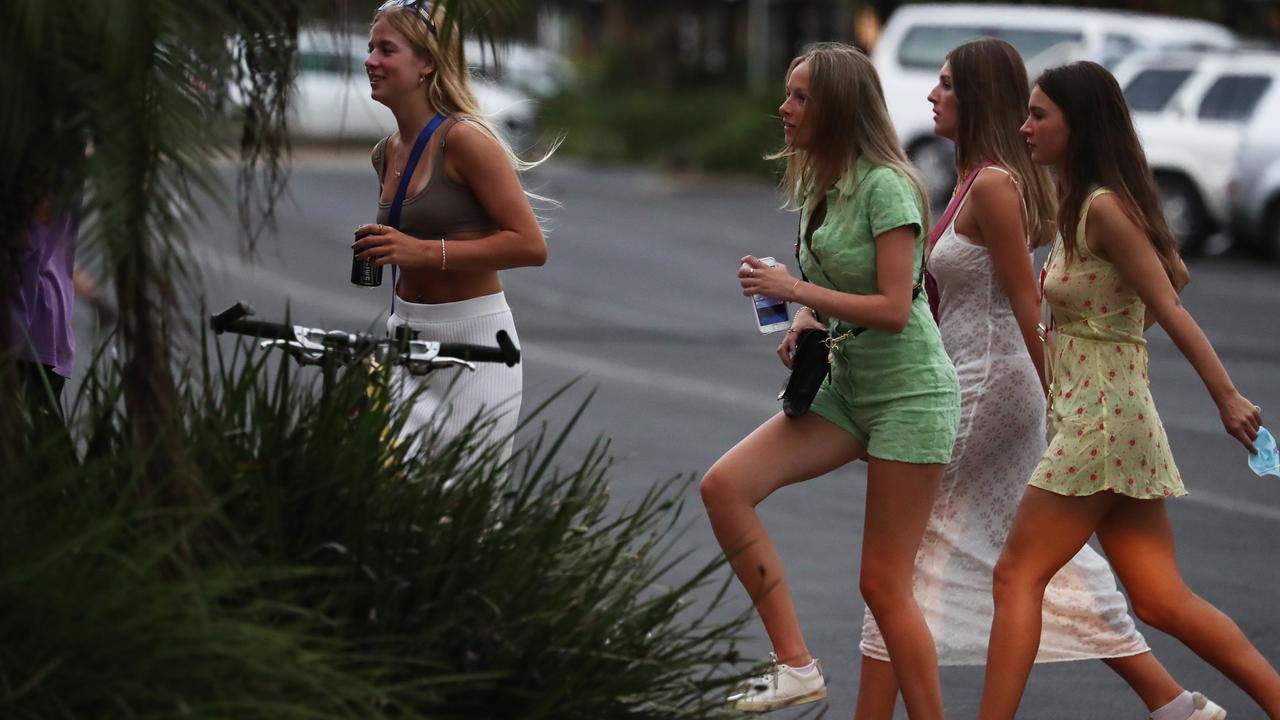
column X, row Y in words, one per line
column 811, row 362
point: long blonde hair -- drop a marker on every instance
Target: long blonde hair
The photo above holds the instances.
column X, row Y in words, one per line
column 992, row 91
column 846, row 105
column 449, row 87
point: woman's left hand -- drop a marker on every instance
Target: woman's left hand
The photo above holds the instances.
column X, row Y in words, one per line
column 758, row 278
column 385, row 245
column 1241, row 419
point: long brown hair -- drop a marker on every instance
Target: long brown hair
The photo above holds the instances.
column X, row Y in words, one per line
column 846, row 104
column 1103, row 150
column 991, row 88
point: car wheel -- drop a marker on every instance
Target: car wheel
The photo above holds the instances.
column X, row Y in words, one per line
column 1184, row 212
column 935, row 160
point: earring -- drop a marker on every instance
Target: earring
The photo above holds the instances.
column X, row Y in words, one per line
column 422, row 79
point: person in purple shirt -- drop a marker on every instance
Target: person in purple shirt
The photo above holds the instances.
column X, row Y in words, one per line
column 39, row 305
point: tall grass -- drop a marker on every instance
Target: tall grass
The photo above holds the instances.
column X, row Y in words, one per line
column 336, row 572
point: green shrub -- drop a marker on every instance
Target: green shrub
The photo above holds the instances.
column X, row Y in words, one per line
column 714, row 130
column 336, row 574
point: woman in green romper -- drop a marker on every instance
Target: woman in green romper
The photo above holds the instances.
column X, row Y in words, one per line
column 1108, row 470
column 892, row 397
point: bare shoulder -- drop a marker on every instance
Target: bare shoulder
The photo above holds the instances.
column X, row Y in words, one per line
column 994, row 179
column 1108, row 220
column 995, row 196
column 472, row 139
column 995, row 187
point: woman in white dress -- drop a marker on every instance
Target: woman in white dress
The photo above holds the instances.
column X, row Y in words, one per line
column 988, row 310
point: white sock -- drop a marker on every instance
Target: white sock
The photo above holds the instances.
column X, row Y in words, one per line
column 1180, row 708
column 812, row 667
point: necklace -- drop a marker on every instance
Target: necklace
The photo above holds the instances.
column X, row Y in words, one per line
column 423, row 136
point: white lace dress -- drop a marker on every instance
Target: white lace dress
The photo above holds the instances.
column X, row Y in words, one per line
column 1000, row 440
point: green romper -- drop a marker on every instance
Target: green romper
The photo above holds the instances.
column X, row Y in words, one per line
column 1109, row 436
column 896, row 393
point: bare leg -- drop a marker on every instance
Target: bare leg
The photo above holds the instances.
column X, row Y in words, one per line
column 1047, row 532
column 1148, row 678
column 899, row 500
column 780, row 452
column 1138, row 540
column 877, row 691
column 1154, row 686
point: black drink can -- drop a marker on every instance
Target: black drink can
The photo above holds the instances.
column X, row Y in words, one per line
column 363, row 272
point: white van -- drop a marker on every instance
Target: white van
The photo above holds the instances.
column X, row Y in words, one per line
column 918, row 37
column 331, row 98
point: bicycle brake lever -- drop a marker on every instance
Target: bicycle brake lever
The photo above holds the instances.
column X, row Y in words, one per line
column 422, row 367
column 301, row 354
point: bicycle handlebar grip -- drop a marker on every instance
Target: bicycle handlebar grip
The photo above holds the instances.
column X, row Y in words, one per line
column 506, row 352
column 262, row 329
column 221, row 322
column 473, row 353
column 510, row 353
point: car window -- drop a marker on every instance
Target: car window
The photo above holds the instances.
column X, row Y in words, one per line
column 926, row 46
column 1233, row 97
column 1116, row 47
column 1030, row 43
column 1151, row 89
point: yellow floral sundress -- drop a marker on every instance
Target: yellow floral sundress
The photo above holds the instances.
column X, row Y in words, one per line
column 1109, row 436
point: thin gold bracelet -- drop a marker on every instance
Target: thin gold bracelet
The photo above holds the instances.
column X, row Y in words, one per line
column 792, row 292
column 443, row 257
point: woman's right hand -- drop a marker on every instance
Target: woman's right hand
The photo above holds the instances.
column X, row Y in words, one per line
column 803, row 320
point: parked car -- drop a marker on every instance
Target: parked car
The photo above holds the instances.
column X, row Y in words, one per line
column 918, row 37
column 331, row 97
column 1191, row 111
column 1253, row 195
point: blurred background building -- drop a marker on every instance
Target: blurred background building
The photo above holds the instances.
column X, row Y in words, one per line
column 671, row 43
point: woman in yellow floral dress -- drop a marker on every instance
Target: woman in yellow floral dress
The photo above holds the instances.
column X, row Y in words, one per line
column 1109, row 468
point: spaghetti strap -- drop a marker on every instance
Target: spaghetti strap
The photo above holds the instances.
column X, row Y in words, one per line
column 997, row 168
column 1022, row 202
column 1081, row 247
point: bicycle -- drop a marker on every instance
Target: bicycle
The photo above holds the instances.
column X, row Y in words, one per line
column 332, row 349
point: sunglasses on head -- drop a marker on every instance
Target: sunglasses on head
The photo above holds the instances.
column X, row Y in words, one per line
column 418, row 10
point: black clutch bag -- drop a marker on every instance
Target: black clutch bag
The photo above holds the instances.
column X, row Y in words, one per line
column 809, row 367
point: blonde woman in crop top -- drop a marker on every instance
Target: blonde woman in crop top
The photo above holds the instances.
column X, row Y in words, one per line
column 1109, row 470
column 464, row 218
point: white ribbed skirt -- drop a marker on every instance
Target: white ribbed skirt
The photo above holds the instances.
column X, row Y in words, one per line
column 453, row 397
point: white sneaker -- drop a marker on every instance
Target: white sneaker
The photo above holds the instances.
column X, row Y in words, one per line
column 782, row 687
column 1206, row 709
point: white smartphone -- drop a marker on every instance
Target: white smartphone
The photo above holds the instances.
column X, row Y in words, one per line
column 771, row 315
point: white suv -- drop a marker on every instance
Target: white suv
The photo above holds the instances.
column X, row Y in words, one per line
column 1191, row 111
column 918, row 37
column 1254, row 191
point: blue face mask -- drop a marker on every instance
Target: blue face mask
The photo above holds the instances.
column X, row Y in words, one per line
column 1267, row 461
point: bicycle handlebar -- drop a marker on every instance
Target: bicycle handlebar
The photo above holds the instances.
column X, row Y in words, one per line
column 312, row 345
column 233, row 319
column 506, row 352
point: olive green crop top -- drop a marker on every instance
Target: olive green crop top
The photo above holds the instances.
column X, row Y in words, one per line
column 443, row 207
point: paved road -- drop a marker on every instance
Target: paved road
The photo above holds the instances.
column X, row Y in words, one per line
column 639, row 300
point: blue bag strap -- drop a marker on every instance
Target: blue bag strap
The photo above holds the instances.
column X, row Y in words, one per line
column 393, row 217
